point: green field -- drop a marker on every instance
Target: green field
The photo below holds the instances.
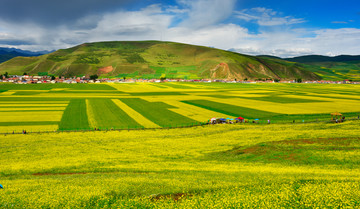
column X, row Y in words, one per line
column 64, row 107
column 106, row 114
column 300, row 160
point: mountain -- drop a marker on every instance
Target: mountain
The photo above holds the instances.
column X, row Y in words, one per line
column 320, row 58
column 332, row 68
column 9, row 53
column 155, row 59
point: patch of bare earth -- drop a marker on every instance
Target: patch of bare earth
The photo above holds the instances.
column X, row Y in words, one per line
column 105, row 70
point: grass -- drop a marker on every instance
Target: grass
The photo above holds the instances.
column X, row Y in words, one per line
column 74, row 116
column 276, row 166
column 233, row 110
column 106, row 114
column 319, row 151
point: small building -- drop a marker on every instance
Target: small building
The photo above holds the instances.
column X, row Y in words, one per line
column 336, row 117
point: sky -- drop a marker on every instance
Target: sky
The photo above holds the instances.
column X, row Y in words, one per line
column 255, row 27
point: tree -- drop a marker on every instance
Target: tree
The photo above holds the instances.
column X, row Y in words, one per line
column 93, row 77
column 6, row 74
column 299, row 80
column 24, row 73
column 163, row 77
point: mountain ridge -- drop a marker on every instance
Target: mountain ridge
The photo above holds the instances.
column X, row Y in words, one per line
column 155, row 59
column 322, row 58
column 9, row 53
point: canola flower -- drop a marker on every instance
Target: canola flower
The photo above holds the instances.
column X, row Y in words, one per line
column 183, row 168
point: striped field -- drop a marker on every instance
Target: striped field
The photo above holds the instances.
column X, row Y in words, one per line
column 54, row 107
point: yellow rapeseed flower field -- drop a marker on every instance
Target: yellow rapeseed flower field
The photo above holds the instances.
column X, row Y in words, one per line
column 294, row 162
column 224, row 166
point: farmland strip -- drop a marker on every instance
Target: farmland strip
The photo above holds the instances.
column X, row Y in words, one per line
column 109, row 115
column 158, row 112
column 230, row 109
column 28, row 128
column 90, row 114
column 30, row 116
column 135, row 115
column 75, row 116
column 194, row 112
column 28, row 123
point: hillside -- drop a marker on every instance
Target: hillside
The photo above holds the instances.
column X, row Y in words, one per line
column 155, row 59
column 332, row 68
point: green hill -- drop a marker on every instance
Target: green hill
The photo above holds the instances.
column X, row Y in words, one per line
column 155, row 59
column 332, row 68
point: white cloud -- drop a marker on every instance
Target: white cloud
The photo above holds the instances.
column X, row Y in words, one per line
column 336, row 41
column 176, row 10
column 339, row 22
column 220, row 36
column 267, row 17
column 155, row 22
column 203, row 13
column 294, row 43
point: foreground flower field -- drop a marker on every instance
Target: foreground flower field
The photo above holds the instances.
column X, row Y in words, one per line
column 216, row 166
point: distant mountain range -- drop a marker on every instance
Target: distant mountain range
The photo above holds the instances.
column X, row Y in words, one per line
column 9, row 53
column 155, row 59
column 320, row 58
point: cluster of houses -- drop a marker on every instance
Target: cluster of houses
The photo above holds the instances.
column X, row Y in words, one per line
column 26, row 79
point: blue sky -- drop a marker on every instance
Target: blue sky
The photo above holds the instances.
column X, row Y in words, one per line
column 274, row 27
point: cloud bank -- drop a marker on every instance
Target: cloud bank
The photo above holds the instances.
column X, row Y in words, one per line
column 215, row 23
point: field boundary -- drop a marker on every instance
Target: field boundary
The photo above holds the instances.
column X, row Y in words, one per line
column 175, row 126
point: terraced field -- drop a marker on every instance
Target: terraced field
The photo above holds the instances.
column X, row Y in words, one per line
column 52, row 107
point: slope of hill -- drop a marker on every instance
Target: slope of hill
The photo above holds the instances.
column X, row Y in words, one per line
column 332, row 68
column 155, row 59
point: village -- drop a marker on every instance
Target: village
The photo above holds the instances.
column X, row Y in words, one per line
column 38, row 79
